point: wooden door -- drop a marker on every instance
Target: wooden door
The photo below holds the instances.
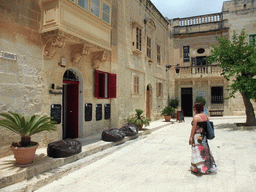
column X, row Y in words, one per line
column 187, row 101
column 70, row 109
column 148, row 103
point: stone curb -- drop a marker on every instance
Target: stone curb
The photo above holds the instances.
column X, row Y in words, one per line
column 34, row 177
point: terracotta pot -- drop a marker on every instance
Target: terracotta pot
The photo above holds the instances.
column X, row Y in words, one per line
column 140, row 126
column 167, row 118
column 24, row 155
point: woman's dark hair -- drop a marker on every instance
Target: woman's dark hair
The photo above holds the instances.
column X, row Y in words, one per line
column 198, row 107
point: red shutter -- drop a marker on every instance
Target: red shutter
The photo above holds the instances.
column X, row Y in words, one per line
column 111, row 85
column 96, row 83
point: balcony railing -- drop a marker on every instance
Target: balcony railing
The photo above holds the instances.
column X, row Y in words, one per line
column 200, row 19
column 199, row 69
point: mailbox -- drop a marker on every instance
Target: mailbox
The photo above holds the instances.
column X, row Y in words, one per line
column 98, row 112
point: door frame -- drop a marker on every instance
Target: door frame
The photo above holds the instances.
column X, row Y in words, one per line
column 80, row 101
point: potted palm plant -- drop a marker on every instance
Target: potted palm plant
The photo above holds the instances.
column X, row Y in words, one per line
column 139, row 120
column 201, row 99
column 24, row 151
column 168, row 112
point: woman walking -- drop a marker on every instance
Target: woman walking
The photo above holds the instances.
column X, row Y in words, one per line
column 202, row 160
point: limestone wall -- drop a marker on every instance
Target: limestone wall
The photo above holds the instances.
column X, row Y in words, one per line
column 23, row 86
column 154, row 26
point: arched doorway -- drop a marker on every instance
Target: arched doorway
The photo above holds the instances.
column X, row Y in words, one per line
column 72, row 89
column 148, row 101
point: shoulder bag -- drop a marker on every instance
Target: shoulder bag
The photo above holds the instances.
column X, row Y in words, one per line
column 209, row 130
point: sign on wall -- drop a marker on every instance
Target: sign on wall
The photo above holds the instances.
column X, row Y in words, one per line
column 9, row 56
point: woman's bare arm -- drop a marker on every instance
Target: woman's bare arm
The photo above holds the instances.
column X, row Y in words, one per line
column 193, row 130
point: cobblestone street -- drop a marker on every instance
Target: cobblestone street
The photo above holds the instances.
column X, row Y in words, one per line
column 160, row 162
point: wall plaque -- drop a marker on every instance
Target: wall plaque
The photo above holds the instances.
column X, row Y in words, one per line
column 56, row 113
column 88, row 112
column 107, row 111
column 7, row 55
column 98, row 112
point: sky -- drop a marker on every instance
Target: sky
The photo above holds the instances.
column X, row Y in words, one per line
column 187, row 8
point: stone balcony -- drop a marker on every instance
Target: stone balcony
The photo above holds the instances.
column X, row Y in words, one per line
column 198, row 71
column 64, row 22
column 199, row 24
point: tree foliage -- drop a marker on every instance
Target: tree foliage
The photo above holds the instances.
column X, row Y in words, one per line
column 238, row 60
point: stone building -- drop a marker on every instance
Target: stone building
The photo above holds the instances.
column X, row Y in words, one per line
column 84, row 62
column 141, row 44
column 91, row 63
column 191, row 40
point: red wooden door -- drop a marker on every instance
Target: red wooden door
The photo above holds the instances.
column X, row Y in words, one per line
column 70, row 107
column 148, row 104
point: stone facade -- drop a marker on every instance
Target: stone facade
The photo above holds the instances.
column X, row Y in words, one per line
column 135, row 62
column 197, row 35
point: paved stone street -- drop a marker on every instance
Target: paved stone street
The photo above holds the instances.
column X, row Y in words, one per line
column 160, row 162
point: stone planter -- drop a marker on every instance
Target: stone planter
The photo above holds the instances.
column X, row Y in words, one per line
column 24, row 155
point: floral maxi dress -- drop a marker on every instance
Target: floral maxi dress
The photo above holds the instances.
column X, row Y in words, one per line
column 202, row 160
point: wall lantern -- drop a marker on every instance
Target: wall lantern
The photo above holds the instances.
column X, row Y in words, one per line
column 168, row 67
column 177, row 69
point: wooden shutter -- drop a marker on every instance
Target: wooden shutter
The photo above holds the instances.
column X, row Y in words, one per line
column 157, row 89
column 111, row 85
column 96, row 83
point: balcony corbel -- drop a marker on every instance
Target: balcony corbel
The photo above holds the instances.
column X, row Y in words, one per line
column 99, row 58
column 51, row 46
column 79, row 51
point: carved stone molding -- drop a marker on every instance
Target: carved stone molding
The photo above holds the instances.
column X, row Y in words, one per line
column 79, row 51
column 51, row 45
column 150, row 23
column 99, row 58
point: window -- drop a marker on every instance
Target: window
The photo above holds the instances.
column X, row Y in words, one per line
column 95, row 8
column 216, row 95
column 99, row 8
column 185, row 53
column 83, row 3
column 138, row 38
column 159, row 89
column 105, row 12
column 136, row 84
column 158, row 54
column 201, row 60
column 252, row 39
column 148, row 47
column 105, row 85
